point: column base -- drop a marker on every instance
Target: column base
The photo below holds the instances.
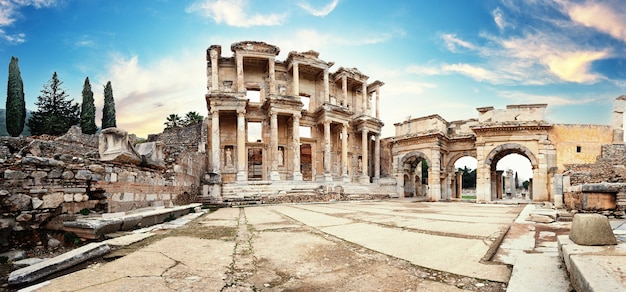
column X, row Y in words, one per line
column 274, row 176
column 345, row 178
column 328, row 177
column 297, row 176
column 241, row 176
column 376, row 179
column 364, row 179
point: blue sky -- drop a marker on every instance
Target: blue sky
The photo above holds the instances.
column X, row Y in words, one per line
column 447, row 57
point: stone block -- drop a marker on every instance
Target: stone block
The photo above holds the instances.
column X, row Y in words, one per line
column 151, row 197
column 68, row 197
column 128, row 197
column 151, row 154
column 83, row 174
column 113, row 177
column 24, row 217
column 114, row 145
column 74, row 190
column 14, row 174
column 36, row 202
column 67, row 175
column 58, row 263
column 52, row 200
column 18, row 202
column 78, row 197
column 592, row 229
column 96, row 168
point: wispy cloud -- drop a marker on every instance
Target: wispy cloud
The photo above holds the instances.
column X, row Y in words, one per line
column 608, row 17
column 157, row 89
column 498, row 18
column 553, row 100
column 8, row 12
column 233, row 13
column 321, row 12
column 452, row 42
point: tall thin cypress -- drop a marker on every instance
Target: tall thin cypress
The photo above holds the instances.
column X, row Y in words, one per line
column 16, row 106
column 108, row 112
column 88, row 110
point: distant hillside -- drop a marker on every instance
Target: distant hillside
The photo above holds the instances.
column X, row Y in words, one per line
column 3, row 124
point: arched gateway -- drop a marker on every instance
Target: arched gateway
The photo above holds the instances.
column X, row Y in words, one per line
column 518, row 129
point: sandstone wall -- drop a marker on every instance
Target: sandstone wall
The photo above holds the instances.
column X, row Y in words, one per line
column 579, row 144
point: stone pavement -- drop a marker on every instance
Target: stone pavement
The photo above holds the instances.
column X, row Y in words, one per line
column 367, row 246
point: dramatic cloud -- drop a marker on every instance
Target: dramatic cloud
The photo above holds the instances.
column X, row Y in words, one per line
column 232, row 12
column 145, row 94
column 319, row 11
column 552, row 100
column 609, row 17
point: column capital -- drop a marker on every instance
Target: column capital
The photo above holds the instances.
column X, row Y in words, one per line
column 241, row 111
column 297, row 115
column 215, row 111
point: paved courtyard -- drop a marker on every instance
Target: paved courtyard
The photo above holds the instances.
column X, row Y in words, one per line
column 357, row 246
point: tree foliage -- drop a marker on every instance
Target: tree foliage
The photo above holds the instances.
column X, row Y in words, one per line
column 88, row 110
column 175, row 121
column 469, row 177
column 15, row 106
column 108, row 112
column 54, row 115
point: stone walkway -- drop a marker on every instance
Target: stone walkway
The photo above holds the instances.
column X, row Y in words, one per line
column 366, row 246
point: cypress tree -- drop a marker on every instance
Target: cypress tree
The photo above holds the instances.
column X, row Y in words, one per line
column 16, row 106
column 55, row 115
column 108, row 112
column 88, row 110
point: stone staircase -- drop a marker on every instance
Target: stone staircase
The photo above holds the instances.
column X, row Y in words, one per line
column 253, row 193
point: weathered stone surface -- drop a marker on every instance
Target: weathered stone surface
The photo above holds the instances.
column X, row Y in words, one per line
column 26, row 262
column 3, row 193
column 67, row 175
column 151, row 153
column 42, row 161
column 93, row 229
column 592, row 229
column 36, row 203
column 78, row 197
column 14, row 174
column 55, row 173
column 59, row 263
column 114, row 145
column 53, row 242
column 83, row 174
column 603, row 187
column 96, row 168
column 68, row 197
column 18, row 202
column 14, row 255
column 24, row 217
column 52, row 200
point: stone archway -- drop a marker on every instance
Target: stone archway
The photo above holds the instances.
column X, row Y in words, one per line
column 491, row 182
column 410, row 167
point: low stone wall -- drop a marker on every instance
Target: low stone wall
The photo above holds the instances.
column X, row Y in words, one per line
column 45, row 179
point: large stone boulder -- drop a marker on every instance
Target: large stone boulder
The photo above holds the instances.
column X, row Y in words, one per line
column 114, row 145
column 592, row 229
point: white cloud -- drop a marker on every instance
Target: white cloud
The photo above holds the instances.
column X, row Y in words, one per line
column 452, row 42
column 498, row 18
column 8, row 11
column 607, row 17
column 232, row 12
column 319, row 11
column 553, row 100
column 145, row 94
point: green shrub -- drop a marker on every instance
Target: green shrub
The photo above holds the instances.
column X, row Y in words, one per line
column 84, row 211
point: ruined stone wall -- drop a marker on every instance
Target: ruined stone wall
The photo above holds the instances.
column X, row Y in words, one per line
column 609, row 167
column 426, row 124
column 41, row 180
column 579, row 144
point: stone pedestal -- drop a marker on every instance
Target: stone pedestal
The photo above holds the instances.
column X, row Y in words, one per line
column 592, row 229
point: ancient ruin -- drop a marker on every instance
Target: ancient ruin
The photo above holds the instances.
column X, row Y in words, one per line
column 521, row 129
column 294, row 131
column 290, row 127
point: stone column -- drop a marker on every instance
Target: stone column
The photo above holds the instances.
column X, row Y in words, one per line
column 434, row 177
column 377, row 158
column 344, row 153
column 378, row 103
column 618, row 119
column 240, row 83
column 327, row 164
column 272, row 74
column 296, row 80
column 364, row 97
column 499, row 185
column 364, row 159
column 274, row 146
column 297, row 174
column 214, row 71
column 215, row 141
column 493, row 183
column 344, row 89
column 241, row 145
column 326, row 87
column 459, row 184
